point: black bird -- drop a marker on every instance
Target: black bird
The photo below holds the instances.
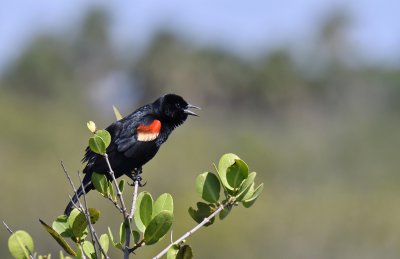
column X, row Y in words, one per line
column 135, row 140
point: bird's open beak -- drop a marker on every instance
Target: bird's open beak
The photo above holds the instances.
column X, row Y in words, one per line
column 189, row 112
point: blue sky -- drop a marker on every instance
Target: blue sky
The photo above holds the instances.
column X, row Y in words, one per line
column 243, row 26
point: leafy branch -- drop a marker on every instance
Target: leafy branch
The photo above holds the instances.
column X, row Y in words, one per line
column 153, row 218
column 238, row 186
column 189, row 233
column 20, row 243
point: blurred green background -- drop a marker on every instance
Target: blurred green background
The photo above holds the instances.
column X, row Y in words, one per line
column 316, row 117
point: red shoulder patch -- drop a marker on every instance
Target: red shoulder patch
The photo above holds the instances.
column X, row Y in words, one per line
column 148, row 132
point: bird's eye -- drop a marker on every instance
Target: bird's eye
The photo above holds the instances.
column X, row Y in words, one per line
column 178, row 105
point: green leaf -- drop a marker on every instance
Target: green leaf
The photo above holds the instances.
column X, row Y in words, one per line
column 237, row 173
column 164, row 202
column 88, row 249
column 249, row 202
column 225, row 162
column 249, row 192
column 122, row 233
column 208, row 187
column 203, row 210
column 111, row 235
column 117, row 113
column 60, row 240
column 172, row 252
column 77, row 222
column 91, row 126
column 61, row 226
column 143, row 211
column 110, row 190
column 79, row 252
column 185, row 252
column 20, row 244
column 104, row 242
column 245, row 187
column 97, row 145
column 225, row 212
column 146, row 209
column 180, row 252
column 158, row 227
column 94, row 215
column 105, row 136
column 100, row 183
column 121, row 185
column 115, row 244
column 136, row 236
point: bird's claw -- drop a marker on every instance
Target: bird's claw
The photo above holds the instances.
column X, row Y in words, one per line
column 137, row 178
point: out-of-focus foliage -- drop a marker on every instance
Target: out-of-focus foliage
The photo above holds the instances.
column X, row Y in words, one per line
column 54, row 66
column 320, row 124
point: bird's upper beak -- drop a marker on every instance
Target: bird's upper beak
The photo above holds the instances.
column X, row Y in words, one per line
column 189, row 112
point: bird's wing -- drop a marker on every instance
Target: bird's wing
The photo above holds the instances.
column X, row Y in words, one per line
column 127, row 133
column 142, row 130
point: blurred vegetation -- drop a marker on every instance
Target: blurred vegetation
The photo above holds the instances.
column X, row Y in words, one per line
column 322, row 126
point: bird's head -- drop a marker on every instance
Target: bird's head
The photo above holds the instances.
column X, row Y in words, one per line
column 174, row 108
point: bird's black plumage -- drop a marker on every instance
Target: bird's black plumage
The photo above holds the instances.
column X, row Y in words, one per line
column 135, row 140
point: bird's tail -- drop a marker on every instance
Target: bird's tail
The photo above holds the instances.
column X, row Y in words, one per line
column 87, row 184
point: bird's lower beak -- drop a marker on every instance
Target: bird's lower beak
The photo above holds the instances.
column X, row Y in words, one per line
column 189, row 112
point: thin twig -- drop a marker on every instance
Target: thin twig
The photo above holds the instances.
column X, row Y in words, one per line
column 127, row 225
column 84, row 210
column 136, row 183
column 91, row 228
column 130, row 219
column 83, row 254
column 79, row 205
column 69, row 178
column 8, row 228
column 190, row 232
column 101, row 248
column 119, row 193
column 12, row 232
column 87, row 216
column 74, row 204
column 115, row 203
column 136, row 246
column 125, row 214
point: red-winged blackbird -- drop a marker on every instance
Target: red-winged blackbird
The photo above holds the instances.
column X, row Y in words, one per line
column 135, row 140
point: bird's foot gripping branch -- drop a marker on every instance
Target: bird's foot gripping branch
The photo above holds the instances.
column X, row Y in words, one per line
column 148, row 220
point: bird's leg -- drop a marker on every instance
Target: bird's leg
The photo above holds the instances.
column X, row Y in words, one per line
column 135, row 176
